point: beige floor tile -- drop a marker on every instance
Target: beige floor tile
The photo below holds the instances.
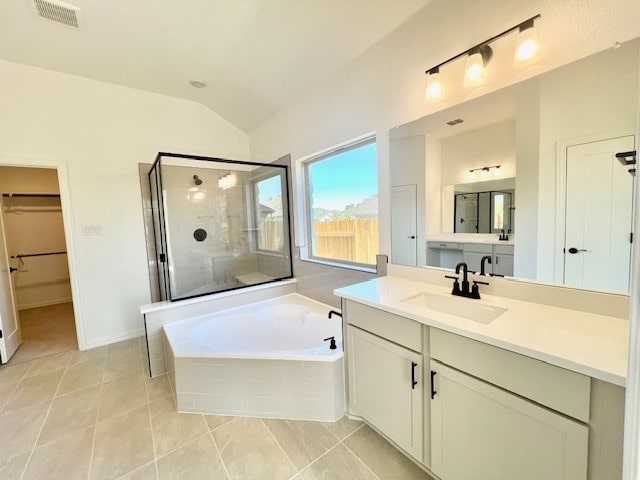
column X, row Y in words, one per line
column 158, row 387
column 19, row 429
column 34, row 390
column 122, row 394
column 82, row 376
column 382, row 458
column 119, row 367
column 343, row 427
column 302, row 441
column 196, row 460
column 10, row 374
column 70, row 413
column 128, row 354
column 124, row 345
column 48, row 364
column 66, row 457
column 122, row 444
column 338, row 464
column 78, row 357
column 171, row 429
column 12, row 468
column 146, row 472
column 215, row 421
column 250, row 452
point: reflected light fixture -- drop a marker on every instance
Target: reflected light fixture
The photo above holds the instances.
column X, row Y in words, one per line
column 527, row 45
column 485, row 171
column 227, row 181
column 479, row 55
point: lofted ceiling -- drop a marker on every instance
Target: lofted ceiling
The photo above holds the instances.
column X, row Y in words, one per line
column 256, row 56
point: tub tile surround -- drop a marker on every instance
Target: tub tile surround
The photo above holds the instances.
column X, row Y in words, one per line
column 158, row 314
column 66, row 437
column 304, row 386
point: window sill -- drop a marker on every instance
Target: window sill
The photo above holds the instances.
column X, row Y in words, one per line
column 348, row 266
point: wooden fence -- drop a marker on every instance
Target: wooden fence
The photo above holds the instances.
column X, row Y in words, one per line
column 350, row 240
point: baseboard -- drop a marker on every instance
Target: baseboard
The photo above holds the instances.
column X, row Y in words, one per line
column 114, row 339
column 45, row 303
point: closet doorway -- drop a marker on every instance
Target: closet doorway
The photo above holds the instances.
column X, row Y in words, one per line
column 35, row 243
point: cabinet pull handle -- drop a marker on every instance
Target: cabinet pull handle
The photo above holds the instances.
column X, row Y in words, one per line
column 414, row 382
column 433, row 387
column 497, row 260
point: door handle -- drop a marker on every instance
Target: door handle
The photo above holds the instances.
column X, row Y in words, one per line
column 12, row 269
column 574, row 250
column 414, row 382
column 412, row 237
column 433, row 386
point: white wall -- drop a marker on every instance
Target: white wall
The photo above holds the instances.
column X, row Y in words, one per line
column 101, row 132
column 491, row 145
column 385, row 86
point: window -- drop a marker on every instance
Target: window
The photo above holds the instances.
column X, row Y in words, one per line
column 268, row 193
column 342, row 205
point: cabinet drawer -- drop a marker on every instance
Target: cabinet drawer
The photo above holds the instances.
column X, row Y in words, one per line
column 478, row 247
column 386, row 325
column 444, row 245
column 503, row 249
column 559, row 389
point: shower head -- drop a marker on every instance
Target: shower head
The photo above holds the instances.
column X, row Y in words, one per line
column 197, row 180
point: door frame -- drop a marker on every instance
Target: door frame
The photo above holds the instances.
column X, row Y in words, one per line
column 561, row 190
column 67, row 219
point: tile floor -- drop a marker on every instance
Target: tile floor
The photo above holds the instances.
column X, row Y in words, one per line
column 96, row 414
column 46, row 331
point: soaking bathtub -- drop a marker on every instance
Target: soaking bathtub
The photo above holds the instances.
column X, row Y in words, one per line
column 264, row 359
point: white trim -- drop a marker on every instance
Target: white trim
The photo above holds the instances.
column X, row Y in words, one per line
column 330, row 263
column 561, row 190
column 139, row 332
column 67, row 218
column 45, row 303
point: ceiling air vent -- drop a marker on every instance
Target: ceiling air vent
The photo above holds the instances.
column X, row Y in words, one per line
column 59, row 12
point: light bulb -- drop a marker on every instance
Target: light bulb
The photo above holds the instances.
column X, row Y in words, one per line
column 484, row 172
column 527, row 45
column 434, row 85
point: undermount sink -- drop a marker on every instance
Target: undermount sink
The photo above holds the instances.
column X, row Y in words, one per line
column 458, row 306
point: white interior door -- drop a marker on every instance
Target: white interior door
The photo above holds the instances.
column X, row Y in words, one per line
column 599, row 202
column 9, row 324
column 404, row 243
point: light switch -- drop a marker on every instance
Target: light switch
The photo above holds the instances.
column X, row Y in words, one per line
column 91, row 230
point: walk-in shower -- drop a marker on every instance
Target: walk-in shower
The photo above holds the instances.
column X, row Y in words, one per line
column 218, row 224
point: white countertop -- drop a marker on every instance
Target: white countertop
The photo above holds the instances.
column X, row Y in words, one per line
column 594, row 345
column 491, row 238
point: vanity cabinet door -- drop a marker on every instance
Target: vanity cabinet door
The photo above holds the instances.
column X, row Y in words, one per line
column 385, row 388
column 503, row 264
column 481, row 432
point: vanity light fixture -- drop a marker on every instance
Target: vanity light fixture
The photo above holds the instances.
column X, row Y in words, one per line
column 479, row 56
column 527, row 45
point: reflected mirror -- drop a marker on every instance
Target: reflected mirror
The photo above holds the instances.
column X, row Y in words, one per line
column 540, row 160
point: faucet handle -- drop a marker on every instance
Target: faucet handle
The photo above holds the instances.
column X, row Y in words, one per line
column 452, row 277
column 456, row 285
column 478, row 282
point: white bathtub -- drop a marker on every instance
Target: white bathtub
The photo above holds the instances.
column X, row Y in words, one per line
column 266, row 359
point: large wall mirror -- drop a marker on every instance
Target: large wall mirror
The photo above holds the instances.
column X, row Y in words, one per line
column 528, row 175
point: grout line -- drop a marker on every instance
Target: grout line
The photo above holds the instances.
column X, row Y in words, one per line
column 351, row 433
column 153, row 440
column 26, row 465
column 278, row 443
column 215, row 445
column 359, row 459
column 324, row 454
column 95, row 426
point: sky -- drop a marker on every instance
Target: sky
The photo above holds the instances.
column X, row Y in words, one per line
column 346, row 178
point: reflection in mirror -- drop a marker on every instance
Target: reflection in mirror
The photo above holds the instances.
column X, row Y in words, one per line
column 554, row 138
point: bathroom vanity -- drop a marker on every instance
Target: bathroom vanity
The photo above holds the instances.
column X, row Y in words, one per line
column 447, row 250
column 490, row 388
